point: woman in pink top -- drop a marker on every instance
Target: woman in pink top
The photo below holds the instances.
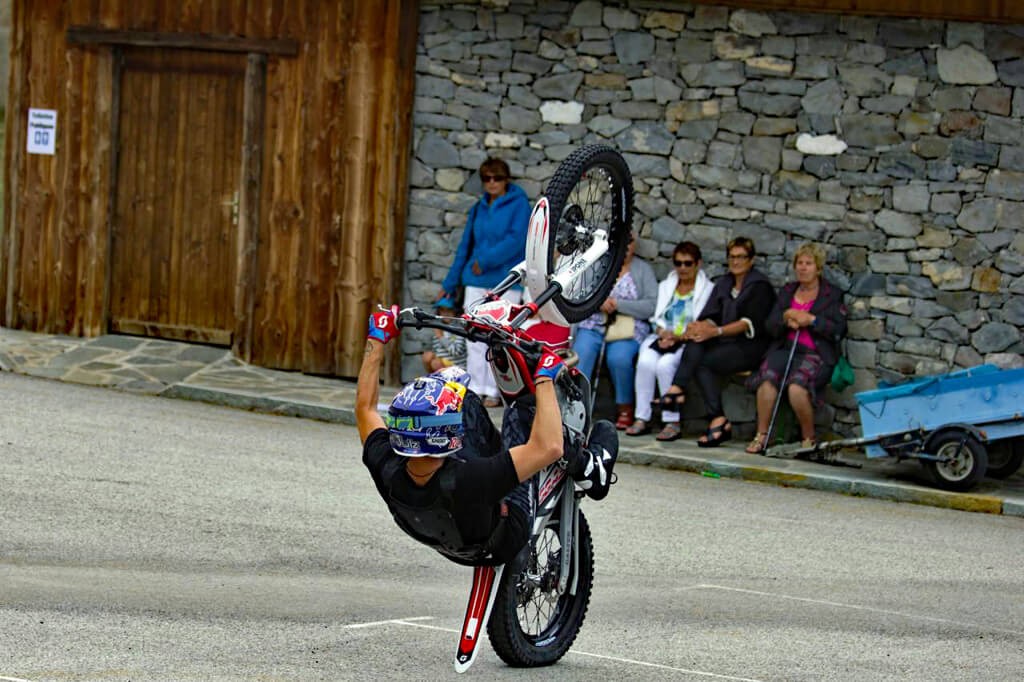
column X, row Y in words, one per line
column 812, row 310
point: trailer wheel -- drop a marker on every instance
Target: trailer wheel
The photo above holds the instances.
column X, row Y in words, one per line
column 1005, row 458
column 967, row 461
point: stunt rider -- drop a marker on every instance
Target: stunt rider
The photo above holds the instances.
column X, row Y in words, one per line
column 441, row 466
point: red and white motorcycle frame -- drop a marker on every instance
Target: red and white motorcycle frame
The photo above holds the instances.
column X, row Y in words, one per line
column 555, row 492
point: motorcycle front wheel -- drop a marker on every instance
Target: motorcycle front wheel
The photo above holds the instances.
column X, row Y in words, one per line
column 591, row 190
column 532, row 624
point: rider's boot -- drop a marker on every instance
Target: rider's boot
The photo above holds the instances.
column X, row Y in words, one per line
column 594, row 469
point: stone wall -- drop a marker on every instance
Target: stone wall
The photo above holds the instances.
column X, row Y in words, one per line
column 724, row 117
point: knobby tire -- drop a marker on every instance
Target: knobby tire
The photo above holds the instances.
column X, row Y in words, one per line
column 592, row 186
column 522, row 649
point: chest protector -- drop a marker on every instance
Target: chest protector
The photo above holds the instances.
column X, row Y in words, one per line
column 435, row 526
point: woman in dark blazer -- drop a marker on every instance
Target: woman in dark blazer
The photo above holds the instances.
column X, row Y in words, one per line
column 729, row 337
column 810, row 313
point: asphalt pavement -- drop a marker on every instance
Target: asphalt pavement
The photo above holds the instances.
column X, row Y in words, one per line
column 204, row 373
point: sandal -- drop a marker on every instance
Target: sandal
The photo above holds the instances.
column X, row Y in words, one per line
column 756, row 446
column 639, row 428
column 807, row 443
column 671, row 431
column 669, row 402
column 716, row 435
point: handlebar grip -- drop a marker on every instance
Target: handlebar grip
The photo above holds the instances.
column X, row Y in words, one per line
column 411, row 316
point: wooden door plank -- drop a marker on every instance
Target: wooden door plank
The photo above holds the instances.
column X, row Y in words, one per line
column 253, row 121
column 14, row 126
column 105, row 198
column 155, row 302
column 70, row 224
column 227, row 252
column 164, row 182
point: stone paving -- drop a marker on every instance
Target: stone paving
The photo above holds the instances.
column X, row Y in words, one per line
column 175, row 369
column 194, row 372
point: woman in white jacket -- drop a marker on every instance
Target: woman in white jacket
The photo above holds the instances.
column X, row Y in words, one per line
column 681, row 297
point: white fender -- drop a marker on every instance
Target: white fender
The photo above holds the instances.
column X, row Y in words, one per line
column 537, row 275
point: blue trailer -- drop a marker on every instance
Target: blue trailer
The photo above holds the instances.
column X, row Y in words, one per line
column 961, row 426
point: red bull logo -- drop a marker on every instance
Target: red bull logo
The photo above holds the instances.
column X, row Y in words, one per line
column 446, row 400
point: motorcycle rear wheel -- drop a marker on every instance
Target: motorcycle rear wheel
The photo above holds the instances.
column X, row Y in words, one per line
column 592, row 189
column 532, row 625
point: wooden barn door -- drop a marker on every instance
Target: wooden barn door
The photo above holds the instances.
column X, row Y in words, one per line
column 175, row 227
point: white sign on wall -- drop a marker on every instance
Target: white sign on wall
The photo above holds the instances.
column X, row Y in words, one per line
column 42, row 131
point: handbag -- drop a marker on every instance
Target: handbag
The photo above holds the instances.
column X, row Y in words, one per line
column 619, row 327
column 842, row 375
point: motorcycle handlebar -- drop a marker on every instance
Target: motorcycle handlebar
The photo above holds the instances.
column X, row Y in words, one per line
column 480, row 329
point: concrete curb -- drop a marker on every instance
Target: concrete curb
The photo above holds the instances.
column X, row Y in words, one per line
column 894, row 492
column 259, row 403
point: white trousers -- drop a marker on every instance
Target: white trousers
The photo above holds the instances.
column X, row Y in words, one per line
column 653, row 366
column 483, row 383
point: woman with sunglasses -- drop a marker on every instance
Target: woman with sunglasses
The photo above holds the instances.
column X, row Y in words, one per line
column 681, row 298
column 493, row 242
column 729, row 337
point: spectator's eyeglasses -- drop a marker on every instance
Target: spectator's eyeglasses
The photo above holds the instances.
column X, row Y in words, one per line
column 684, row 263
column 494, row 178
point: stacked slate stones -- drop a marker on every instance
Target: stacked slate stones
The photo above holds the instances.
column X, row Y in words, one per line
column 899, row 144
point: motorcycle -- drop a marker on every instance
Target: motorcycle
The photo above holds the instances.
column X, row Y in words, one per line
column 579, row 229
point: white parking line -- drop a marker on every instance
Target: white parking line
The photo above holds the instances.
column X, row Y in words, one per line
column 659, row 666
column 858, row 607
column 629, row 661
column 12, row 679
column 400, row 621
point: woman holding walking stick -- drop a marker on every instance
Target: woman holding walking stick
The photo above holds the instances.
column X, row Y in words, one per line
column 808, row 321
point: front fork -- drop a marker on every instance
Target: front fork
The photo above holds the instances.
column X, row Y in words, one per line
column 568, row 528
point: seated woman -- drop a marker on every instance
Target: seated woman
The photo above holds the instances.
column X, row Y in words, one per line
column 729, row 337
column 681, row 297
column 810, row 313
column 633, row 295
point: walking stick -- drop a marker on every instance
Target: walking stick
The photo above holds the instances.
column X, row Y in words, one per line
column 597, row 376
column 782, row 388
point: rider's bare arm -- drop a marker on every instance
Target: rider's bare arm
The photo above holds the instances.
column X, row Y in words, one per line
column 368, row 390
column 545, row 443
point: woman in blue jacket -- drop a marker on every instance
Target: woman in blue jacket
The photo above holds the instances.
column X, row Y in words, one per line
column 493, row 242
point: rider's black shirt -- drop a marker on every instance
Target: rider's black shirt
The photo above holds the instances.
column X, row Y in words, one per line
column 483, row 475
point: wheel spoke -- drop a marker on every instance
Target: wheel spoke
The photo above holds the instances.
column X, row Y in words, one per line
column 590, row 205
column 539, row 610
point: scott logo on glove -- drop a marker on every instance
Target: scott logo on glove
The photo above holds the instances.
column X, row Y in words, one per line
column 383, row 325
